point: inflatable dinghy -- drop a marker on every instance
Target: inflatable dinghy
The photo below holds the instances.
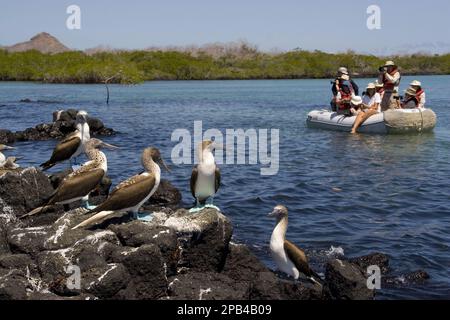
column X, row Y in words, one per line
column 391, row 121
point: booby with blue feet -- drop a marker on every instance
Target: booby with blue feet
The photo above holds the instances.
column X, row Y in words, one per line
column 205, row 177
column 131, row 194
column 80, row 183
column 73, row 145
column 289, row 258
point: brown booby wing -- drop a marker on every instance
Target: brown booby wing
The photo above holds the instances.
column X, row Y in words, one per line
column 128, row 193
column 298, row 258
column 77, row 184
column 63, row 150
column 194, row 176
column 217, row 179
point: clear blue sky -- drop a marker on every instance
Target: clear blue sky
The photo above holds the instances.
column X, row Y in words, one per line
column 407, row 26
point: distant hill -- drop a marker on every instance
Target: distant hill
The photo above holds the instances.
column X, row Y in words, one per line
column 42, row 42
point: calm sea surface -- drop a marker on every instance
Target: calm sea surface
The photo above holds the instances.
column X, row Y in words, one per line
column 395, row 189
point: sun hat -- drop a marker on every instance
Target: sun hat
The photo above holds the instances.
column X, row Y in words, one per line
column 378, row 84
column 410, row 91
column 416, row 83
column 343, row 70
column 371, row 86
column 356, row 100
column 390, row 64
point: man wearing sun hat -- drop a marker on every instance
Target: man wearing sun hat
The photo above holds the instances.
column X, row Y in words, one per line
column 390, row 78
column 420, row 93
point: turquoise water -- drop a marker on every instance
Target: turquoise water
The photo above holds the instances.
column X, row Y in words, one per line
column 395, row 190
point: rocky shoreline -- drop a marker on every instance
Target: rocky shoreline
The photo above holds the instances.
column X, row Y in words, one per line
column 176, row 256
column 63, row 124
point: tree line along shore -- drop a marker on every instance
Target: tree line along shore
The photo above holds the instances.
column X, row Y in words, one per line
column 132, row 67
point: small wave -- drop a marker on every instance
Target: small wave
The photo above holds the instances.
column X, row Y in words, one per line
column 335, row 252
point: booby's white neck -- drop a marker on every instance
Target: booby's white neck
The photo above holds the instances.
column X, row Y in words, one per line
column 83, row 128
column 279, row 233
column 206, row 157
column 2, row 158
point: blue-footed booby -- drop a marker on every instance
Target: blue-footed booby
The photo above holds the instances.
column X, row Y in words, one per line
column 205, row 177
column 289, row 258
column 73, row 145
column 131, row 194
column 79, row 184
column 2, row 156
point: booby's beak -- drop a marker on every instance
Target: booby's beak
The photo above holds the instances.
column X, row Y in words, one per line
column 272, row 214
column 109, row 146
column 161, row 162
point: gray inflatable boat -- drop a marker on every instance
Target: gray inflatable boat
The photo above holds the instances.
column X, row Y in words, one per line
column 396, row 121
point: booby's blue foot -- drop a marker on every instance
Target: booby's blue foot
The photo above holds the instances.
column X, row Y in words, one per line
column 145, row 216
column 197, row 208
column 87, row 206
column 211, row 206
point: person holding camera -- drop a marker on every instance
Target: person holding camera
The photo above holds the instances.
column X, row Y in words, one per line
column 390, row 78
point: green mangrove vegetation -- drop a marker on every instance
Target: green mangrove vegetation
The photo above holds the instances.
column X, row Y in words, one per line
column 129, row 67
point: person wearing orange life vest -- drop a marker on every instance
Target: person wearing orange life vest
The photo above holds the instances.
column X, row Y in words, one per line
column 390, row 78
column 410, row 100
column 420, row 93
column 343, row 76
column 344, row 96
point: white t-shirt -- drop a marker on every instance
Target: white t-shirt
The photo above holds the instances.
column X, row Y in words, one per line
column 370, row 101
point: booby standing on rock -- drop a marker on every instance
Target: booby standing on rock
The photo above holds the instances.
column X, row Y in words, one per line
column 205, row 178
column 132, row 193
column 289, row 258
column 72, row 145
column 78, row 184
column 2, row 156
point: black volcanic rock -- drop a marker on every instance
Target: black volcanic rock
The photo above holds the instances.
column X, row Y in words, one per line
column 7, row 137
column 22, row 191
column 63, row 124
column 374, row 259
column 346, row 281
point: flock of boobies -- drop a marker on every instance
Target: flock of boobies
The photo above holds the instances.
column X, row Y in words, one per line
column 131, row 194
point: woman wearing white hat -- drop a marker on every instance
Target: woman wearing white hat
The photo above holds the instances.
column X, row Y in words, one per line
column 390, row 78
column 420, row 93
column 355, row 105
column 370, row 106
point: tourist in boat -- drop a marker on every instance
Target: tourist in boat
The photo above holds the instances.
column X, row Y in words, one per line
column 370, row 105
column 420, row 93
column 410, row 100
column 344, row 95
column 351, row 107
column 340, row 81
column 390, row 78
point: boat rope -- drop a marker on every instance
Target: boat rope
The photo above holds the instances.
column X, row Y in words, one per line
column 421, row 115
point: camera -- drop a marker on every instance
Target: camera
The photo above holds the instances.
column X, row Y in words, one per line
column 382, row 69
